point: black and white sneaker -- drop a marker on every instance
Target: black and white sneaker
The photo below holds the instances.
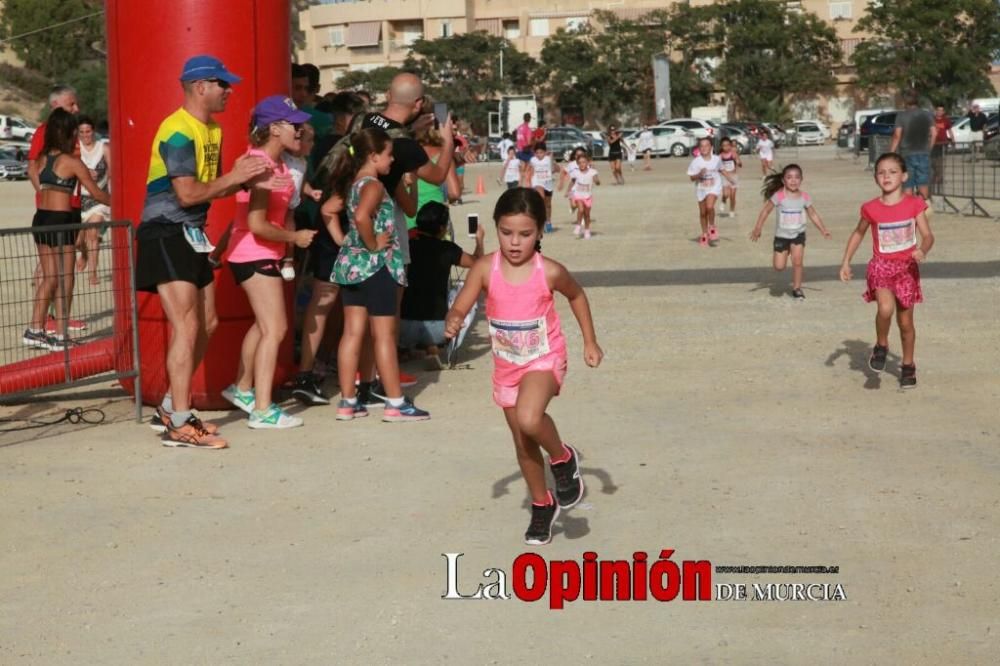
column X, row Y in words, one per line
column 38, row 339
column 569, row 483
column 375, row 396
column 798, row 294
column 877, row 360
column 540, row 530
column 308, row 391
column 908, row 376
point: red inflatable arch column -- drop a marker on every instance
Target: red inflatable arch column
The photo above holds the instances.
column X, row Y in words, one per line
column 148, row 43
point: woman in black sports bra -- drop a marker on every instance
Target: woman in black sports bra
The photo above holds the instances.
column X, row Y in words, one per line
column 58, row 177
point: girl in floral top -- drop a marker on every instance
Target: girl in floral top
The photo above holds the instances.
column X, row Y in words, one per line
column 369, row 270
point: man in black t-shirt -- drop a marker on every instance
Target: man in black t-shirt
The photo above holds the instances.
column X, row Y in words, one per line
column 405, row 107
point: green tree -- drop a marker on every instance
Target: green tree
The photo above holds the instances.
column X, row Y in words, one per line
column 942, row 48
column 374, row 81
column 91, row 83
column 464, row 71
column 571, row 72
column 691, row 41
column 626, row 49
column 769, row 56
column 53, row 52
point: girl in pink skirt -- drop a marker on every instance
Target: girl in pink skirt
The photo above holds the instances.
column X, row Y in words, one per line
column 893, row 275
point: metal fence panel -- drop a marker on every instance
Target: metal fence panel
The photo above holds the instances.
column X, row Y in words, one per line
column 100, row 335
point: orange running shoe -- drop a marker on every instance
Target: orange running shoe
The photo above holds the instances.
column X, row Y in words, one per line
column 192, row 434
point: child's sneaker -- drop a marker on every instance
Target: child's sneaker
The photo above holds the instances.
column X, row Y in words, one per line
column 242, row 399
column 549, row 228
column 576, row 230
column 161, row 421
column 877, row 360
column 540, row 529
column 347, row 411
column 192, row 434
column 405, row 412
column 406, row 380
column 569, row 483
column 908, row 376
column 703, row 241
column 586, row 234
column 713, row 233
column 273, row 417
column 798, row 294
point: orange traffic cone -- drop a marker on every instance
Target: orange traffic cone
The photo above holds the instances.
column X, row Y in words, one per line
column 480, row 185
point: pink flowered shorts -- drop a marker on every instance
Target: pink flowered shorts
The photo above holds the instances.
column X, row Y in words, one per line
column 900, row 276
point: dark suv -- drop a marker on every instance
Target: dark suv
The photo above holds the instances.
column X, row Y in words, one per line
column 561, row 141
column 881, row 124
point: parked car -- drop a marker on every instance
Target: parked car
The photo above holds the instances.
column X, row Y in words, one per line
column 878, row 124
column 739, row 136
column 963, row 134
column 13, row 127
column 809, row 132
column 600, row 143
column 700, row 128
column 561, row 141
column 777, row 134
column 670, row 140
column 11, row 168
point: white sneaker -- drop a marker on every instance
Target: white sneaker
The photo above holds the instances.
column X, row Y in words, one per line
column 273, row 417
column 577, row 230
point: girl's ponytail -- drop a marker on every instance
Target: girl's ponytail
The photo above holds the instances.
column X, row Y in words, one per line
column 360, row 145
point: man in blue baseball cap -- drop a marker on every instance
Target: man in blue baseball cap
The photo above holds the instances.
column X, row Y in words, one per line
column 185, row 175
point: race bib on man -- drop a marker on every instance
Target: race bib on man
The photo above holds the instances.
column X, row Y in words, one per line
column 519, row 342
column 897, row 236
column 197, row 239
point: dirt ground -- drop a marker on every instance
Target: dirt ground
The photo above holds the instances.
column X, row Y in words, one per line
column 728, row 422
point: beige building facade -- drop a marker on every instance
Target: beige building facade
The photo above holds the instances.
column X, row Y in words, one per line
column 351, row 35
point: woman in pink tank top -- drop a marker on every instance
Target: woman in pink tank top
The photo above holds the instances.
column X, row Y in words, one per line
column 529, row 349
column 261, row 229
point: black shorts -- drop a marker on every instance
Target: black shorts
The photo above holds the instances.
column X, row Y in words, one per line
column 244, row 270
column 378, row 294
column 321, row 260
column 614, row 155
column 165, row 256
column 49, row 218
column 785, row 244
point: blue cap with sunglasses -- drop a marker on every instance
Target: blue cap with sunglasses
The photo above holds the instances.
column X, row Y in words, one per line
column 205, row 68
column 277, row 108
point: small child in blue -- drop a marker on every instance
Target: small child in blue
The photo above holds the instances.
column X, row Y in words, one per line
column 782, row 193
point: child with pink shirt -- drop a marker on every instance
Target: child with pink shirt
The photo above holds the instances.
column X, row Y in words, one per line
column 256, row 247
column 529, row 349
column 893, row 274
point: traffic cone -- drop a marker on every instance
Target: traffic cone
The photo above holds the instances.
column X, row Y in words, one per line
column 480, row 185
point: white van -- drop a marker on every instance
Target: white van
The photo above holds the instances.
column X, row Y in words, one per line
column 12, row 127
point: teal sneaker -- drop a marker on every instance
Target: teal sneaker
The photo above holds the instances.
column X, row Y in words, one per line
column 241, row 399
column 273, row 417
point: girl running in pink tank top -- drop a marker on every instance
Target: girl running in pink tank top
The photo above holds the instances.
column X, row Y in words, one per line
column 529, row 349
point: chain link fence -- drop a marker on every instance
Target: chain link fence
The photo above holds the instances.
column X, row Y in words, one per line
column 43, row 349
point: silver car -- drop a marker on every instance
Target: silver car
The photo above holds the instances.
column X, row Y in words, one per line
column 12, row 168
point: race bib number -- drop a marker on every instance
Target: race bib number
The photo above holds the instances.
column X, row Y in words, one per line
column 706, row 182
column 728, row 165
column 789, row 219
column 197, row 239
column 897, row 236
column 542, row 175
column 582, row 188
column 519, row 342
